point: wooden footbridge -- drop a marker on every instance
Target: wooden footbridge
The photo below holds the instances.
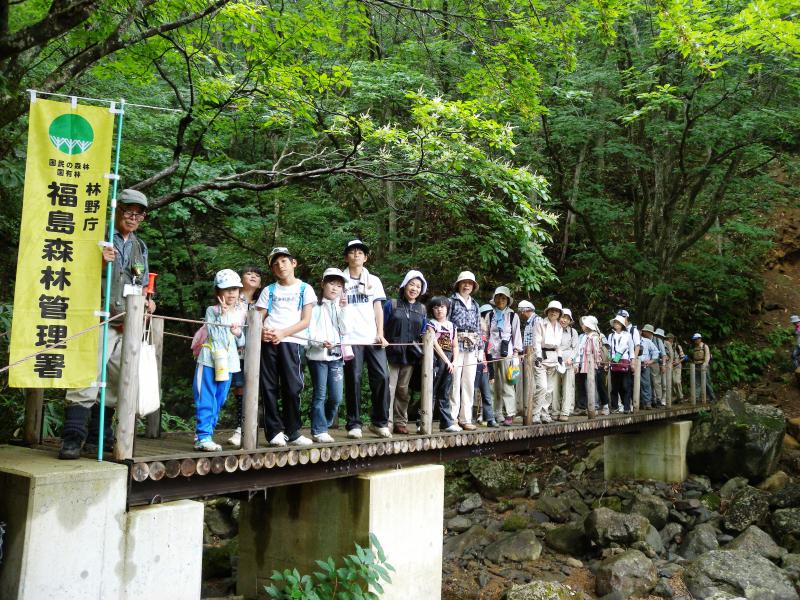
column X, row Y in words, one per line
column 165, row 467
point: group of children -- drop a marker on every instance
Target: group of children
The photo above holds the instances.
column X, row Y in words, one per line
column 352, row 325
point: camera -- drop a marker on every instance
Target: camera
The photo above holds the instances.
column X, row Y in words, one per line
column 335, row 352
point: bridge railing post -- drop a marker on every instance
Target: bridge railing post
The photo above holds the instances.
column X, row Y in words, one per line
column 426, row 397
column 129, row 377
column 703, row 375
column 252, row 367
column 692, row 389
column 34, row 406
column 637, row 383
column 529, row 385
column 153, row 428
column 591, row 384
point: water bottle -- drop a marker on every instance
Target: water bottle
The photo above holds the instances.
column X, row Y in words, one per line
column 220, row 356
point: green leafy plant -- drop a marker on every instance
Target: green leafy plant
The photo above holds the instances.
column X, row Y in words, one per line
column 360, row 577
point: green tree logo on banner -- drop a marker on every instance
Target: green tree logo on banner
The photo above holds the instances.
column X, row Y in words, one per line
column 72, row 134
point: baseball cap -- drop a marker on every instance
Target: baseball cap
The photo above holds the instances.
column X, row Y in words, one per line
column 277, row 252
column 129, row 196
column 356, row 244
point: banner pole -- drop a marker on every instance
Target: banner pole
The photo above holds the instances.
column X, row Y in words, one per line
column 109, row 269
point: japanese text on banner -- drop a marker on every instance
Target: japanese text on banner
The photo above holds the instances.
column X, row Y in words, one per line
column 59, row 267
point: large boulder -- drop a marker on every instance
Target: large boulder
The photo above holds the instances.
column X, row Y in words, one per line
column 741, row 574
column 457, row 545
column 543, row 590
column 518, row 547
column 757, row 541
column 652, row 508
column 699, row 540
column 747, row 442
column 605, row 527
column 630, row 573
column 786, row 527
column 568, row 539
column 496, row 478
column 788, row 497
column 555, row 507
column 748, row 507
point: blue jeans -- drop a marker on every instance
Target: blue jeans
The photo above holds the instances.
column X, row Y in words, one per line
column 326, row 376
column 645, row 390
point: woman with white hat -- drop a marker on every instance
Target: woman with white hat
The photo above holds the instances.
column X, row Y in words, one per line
column 622, row 355
column 590, row 344
column 465, row 315
column 564, row 389
column 547, row 352
column 505, row 344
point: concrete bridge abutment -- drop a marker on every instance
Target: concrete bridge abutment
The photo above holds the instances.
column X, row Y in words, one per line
column 658, row 452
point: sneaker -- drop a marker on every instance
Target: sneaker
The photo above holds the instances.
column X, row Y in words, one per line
column 207, row 445
column 546, row 418
column 354, row 433
column 492, row 423
column 323, row 438
column 508, row 421
column 380, row 431
column 537, row 420
column 620, row 410
column 236, row 438
column 469, row 427
column 453, row 428
column 278, row 440
column 300, row 440
column 604, row 411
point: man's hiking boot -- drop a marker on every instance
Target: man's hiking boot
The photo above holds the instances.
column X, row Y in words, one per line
column 93, row 437
column 74, row 432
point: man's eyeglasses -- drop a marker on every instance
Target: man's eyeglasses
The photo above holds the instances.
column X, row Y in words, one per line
column 136, row 216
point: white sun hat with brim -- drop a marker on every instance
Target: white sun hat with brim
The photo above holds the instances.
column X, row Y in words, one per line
column 332, row 272
column 467, row 276
column 567, row 312
column 794, row 319
column 525, row 305
column 659, row 332
column 590, row 322
column 502, row 291
column 226, row 279
column 415, row 275
column 648, row 328
column 619, row 319
column 555, row 305
column 485, row 308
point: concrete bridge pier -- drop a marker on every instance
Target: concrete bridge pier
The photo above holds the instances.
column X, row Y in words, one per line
column 658, row 452
column 298, row 524
column 68, row 534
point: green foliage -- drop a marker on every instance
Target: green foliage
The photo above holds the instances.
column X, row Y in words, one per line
column 514, row 523
column 739, row 362
column 359, row 577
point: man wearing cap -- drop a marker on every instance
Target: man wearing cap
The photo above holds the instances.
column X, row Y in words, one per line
column 657, row 369
column 676, row 352
column 464, row 314
column 547, row 350
column 364, row 319
column 130, row 267
column 526, row 312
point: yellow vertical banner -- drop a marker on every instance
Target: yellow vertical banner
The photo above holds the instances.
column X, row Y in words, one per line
column 57, row 290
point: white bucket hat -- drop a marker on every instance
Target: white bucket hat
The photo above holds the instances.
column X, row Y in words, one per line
column 568, row 313
column 485, row 308
column 555, row 305
column 659, row 332
column 648, row 328
column 467, row 276
column 525, row 305
column 619, row 319
column 226, row 279
column 502, row 290
column 415, row 275
column 590, row 322
column 794, row 319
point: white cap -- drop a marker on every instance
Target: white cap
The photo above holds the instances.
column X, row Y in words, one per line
column 333, row 272
column 415, row 275
column 485, row 308
column 623, row 313
column 555, row 305
column 502, row 291
column 697, row 336
column 227, row 278
column 525, row 305
column 568, row 313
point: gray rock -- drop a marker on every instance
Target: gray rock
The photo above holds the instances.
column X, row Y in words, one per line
column 539, row 517
column 788, row 497
column 575, row 501
column 739, row 574
column 748, row 507
column 555, row 507
column 557, row 476
column 680, row 517
column 604, row 527
column 630, row 573
column 654, row 540
column 568, row 539
column 791, row 566
column 726, row 444
column 595, row 457
column 496, row 478
column 519, row 547
column 543, row 590
column 775, row 482
column 757, row 541
column 698, row 482
column 459, row 524
column 786, row 527
column 457, row 545
column 470, row 503
column 652, row 508
column 219, row 523
column 670, row 532
column 533, row 488
column 698, row 541
column 732, row 487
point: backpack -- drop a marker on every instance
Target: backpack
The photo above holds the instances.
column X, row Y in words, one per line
column 200, row 338
column 271, row 289
column 699, row 354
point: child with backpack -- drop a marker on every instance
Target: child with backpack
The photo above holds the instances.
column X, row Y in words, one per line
column 445, row 349
column 286, row 306
column 404, row 322
column 218, row 357
column 324, row 355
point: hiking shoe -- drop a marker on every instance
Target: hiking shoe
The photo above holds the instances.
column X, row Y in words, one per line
column 508, row 421
column 604, row 411
column 492, row 423
column 382, row 432
column 469, row 427
column 546, row 418
column 236, row 438
column 323, row 438
column 537, row 420
column 70, row 448
column 207, row 445
column 453, row 428
column 278, row 440
column 300, row 440
column 354, row 433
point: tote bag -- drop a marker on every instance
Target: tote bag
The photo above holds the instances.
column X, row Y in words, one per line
column 149, row 398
